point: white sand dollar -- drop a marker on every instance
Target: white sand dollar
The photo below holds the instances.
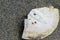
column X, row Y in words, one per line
column 41, row 22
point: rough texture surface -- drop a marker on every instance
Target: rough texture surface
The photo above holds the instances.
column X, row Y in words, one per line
column 13, row 12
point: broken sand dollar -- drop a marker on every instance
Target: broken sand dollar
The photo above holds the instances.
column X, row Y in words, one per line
column 41, row 22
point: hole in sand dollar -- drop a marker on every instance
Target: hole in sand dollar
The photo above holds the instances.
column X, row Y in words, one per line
column 34, row 14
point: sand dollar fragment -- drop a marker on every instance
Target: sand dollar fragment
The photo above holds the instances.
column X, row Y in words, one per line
column 41, row 22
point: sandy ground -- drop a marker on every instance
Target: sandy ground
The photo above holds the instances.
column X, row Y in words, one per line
column 13, row 13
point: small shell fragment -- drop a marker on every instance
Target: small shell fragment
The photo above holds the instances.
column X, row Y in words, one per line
column 41, row 22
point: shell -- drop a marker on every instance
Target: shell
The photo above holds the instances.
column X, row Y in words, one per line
column 41, row 22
